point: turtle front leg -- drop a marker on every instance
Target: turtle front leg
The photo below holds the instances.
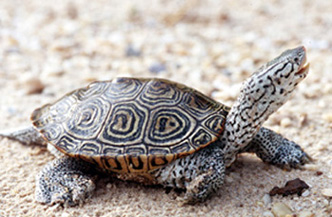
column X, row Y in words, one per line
column 273, row 148
column 210, row 167
column 200, row 174
column 67, row 181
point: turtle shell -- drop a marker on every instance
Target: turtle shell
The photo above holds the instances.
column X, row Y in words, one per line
column 131, row 125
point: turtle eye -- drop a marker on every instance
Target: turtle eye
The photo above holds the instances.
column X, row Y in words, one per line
column 296, row 60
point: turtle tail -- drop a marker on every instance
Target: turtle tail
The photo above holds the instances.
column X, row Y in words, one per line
column 26, row 136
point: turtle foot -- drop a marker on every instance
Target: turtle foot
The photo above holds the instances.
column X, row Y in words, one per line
column 290, row 155
column 65, row 181
column 273, row 148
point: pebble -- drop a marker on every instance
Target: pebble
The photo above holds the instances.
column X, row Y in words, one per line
column 306, row 214
column 286, row 122
column 109, row 185
column 65, row 214
column 266, row 199
column 327, row 192
column 321, row 146
column 132, row 52
column 303, row 120
column 328, row 117
column 72, row 11
column 63, row 45
column 306, row 193
column 157, row 68
column 268, row 214
column 33, row 85
column 229, row 179
column 310, row 167
column 281, row 210
column 325, row 202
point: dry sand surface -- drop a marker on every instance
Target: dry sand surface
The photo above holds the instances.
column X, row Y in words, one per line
column 48, row 49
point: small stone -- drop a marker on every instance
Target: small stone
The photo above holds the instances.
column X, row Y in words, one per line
column 306, row 193
column 157, row 68
column 322, row 146
column 33, row 86
column 109, row 186
column 303, row 120
column 72, row 11
column 286, row 122
column 327, row 192
column 328, row 117
column 305, row 214
column 325, row 202
column 132, row 52
column 268, row 214
column 229, row 179
column 310, row 167
column 63, row 45
column 65, row 214
column 295, row 186
column 260, row 203
column 281, row 210
column 266, row 199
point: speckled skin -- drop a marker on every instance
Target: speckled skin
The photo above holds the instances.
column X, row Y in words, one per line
column 69, row 181
column 203, row 170
column 200, row 174
column 273, row 148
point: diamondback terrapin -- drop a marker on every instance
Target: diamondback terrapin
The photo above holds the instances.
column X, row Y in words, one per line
column 157, row 131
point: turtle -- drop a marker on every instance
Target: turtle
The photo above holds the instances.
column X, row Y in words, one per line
column 160, row 132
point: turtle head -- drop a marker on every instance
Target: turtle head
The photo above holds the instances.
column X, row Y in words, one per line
column 263, row 93
column 271, row 85
column 277, row 79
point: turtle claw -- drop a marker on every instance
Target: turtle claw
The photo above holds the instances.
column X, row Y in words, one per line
column 182, row 201
column 188, row 199
column 307, row 159
column 65, row 181
column 294, row 160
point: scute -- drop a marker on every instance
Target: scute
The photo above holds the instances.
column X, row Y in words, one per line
column 131, row 125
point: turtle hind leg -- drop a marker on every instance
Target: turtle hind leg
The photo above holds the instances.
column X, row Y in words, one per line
column 66, row 181
column 273, row 148
column 26, row 136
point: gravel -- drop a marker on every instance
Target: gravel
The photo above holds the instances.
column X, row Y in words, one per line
column 48, row 49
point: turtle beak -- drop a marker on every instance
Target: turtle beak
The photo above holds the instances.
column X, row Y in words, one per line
column 304, row 66
column 304, row 69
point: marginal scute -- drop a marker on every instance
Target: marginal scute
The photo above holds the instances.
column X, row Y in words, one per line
column 68, row 144
column 157, row 161
column 183, row 147
column 113, row 163
column 90, row 149
column 214, row 122
column 53, row 133
column 201, row 138
column 131, row 125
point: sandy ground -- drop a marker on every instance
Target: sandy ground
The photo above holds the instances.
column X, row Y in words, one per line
column 48, row 49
